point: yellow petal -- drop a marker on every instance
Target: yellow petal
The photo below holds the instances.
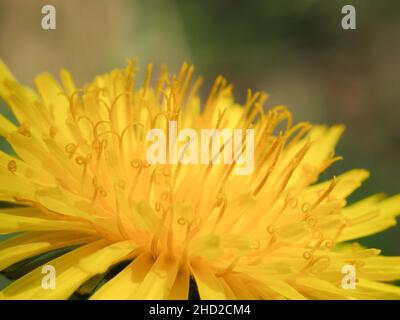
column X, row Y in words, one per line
column 319, row 289
column 72, row 269
column 381, row 268
column 180, row 289
column 157, row 284
column 378, row 290
column 6, row 126
column 209, row 286
column 67, row 82
column 9, row 86
column 346, row 183
column 53, row 97
column 10, row 223
column 370, row 216
column 30, row 244
column 28, row 285
column 125, row 283
column 239, row 286
column 284, row 289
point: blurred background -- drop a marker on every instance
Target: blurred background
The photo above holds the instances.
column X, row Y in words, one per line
column 295, row 50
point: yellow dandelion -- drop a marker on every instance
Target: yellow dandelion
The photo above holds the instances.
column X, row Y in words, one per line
column 115, row 226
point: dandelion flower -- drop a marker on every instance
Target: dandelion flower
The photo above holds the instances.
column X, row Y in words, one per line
column 115, row 226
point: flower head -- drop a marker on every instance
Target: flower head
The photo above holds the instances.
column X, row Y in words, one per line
column 140, row 230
